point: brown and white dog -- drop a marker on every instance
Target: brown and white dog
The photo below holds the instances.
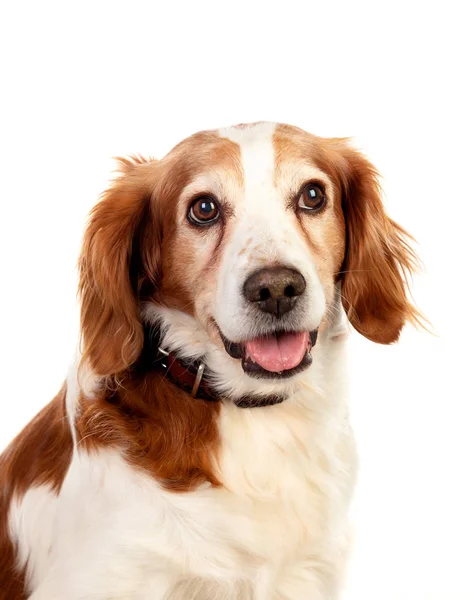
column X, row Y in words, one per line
column 200, row 448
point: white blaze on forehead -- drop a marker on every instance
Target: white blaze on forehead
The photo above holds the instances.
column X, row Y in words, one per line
column 257, row 157
column 264, row 233
column 259, row 167
column 259, row 219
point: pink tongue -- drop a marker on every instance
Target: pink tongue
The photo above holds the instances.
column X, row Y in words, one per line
column 278, row 354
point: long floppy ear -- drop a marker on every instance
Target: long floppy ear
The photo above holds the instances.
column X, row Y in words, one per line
column 378, row 259
column 117, row 255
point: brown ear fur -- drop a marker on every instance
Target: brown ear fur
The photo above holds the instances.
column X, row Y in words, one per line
column 378, row 258
column 112, row 268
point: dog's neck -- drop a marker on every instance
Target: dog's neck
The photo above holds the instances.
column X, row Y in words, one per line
column 190, row 375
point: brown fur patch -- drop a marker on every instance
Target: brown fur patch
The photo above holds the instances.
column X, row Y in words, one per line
column 158, row 427
column 367, row 251
column 120, row 254
column 41, row 454
column 324, row 232
column 379, row 258
column 139, row 247
column 182, row 280
column 132, row 250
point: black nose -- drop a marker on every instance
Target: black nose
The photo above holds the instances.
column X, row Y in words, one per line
column 276, row 289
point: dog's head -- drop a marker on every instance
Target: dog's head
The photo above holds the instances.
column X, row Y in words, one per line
column 238, row 242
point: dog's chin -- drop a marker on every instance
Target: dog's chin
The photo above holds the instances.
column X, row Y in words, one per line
column 254, row 363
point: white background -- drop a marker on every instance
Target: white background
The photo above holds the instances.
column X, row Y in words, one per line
column 82, row 82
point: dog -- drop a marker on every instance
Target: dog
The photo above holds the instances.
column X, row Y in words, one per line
column 200, row 447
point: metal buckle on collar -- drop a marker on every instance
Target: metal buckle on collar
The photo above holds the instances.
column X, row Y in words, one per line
column 199, row 373
column 197, row 381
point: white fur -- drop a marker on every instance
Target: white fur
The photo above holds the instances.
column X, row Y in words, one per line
column 277, row 528
column 265, row 234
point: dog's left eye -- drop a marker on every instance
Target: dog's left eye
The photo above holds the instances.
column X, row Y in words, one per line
column 203, row 210
column 312, row 197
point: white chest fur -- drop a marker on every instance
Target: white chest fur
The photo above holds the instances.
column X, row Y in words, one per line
column 274, row 530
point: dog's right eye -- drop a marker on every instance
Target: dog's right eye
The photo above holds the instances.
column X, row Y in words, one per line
column 203, row 210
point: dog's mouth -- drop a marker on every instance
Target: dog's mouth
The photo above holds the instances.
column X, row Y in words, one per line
column 278, row 355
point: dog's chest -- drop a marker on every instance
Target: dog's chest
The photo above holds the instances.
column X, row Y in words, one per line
column 282, row 495
column 286, row 478
column 267, row 513
column 285, row 487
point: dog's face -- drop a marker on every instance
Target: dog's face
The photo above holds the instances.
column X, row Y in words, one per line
column 256, row 245
column 243, row 234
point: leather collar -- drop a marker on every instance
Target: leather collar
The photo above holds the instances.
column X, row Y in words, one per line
column 190, row 376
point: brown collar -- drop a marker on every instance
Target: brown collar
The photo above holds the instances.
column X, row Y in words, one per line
column 189, row 376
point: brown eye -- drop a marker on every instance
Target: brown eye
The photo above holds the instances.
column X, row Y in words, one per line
column 312, row 197
column 203, row 210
